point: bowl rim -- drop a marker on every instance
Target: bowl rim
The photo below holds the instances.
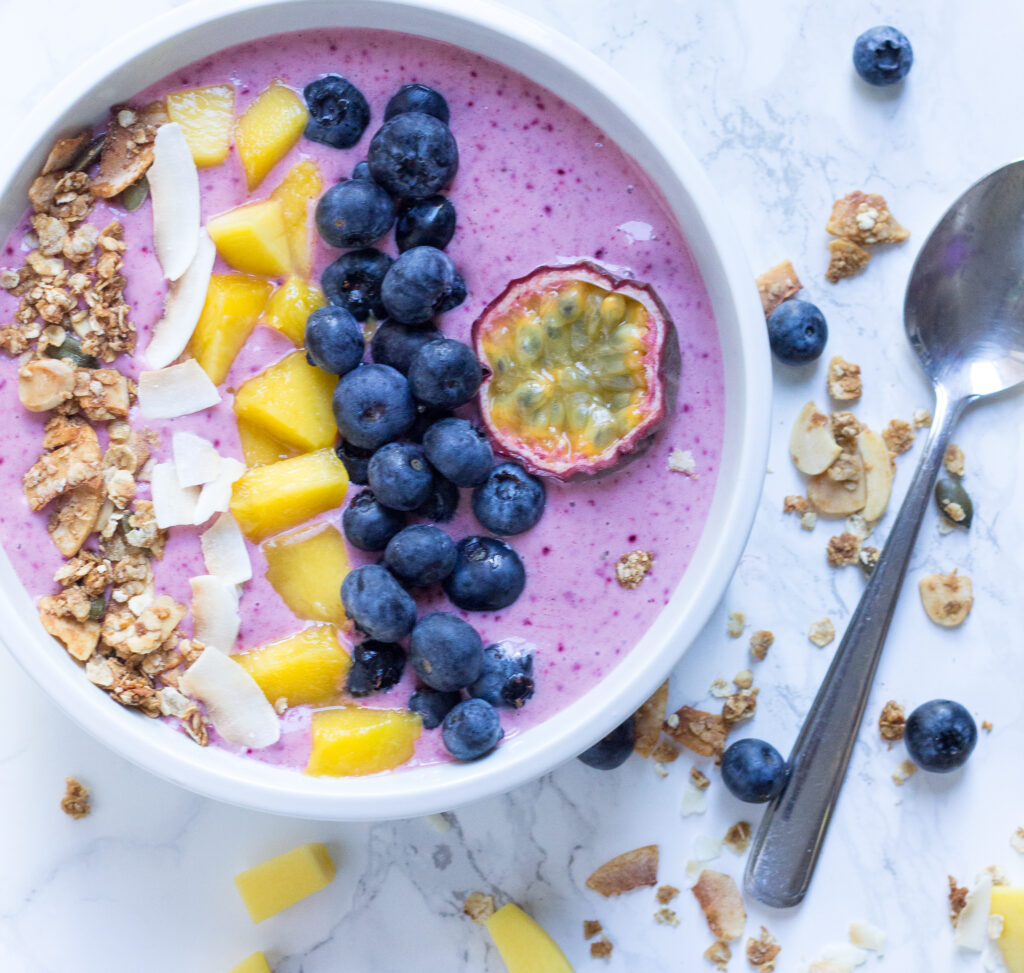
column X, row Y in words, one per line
column 723, row 266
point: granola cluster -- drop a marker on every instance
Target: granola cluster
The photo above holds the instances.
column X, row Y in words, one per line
column 859, row 220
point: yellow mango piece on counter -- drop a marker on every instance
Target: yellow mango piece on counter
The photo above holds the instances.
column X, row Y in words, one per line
column 358, row 740
column 523, row 943
column 291, row 402
column 268, row 129
column 299, row 189
column 290, row 305
column 306, row 568
column 234, row 303
column 257, row 963
column 1008, row 902
column 279, row 882
column 205, row 116
column 272, row 498
column 252, row 238
column 305, row 669
column 258, row 448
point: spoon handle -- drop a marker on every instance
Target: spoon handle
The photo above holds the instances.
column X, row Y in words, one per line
column 793, row 828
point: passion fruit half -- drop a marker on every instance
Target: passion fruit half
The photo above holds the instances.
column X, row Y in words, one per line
column 583, row 364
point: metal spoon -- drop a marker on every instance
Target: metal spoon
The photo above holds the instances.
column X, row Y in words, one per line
column 964, row 316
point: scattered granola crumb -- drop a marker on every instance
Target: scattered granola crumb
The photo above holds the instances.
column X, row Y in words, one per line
column 822, row 632
column 864, row 218
column 954, row 511
column 672, row 720
column 703, row 733
column 953, row 459
column 699, row 779
column 858, row 526
column 845, row 259
column 720, row 689
column 777, row 284
column 845, row 428
column 627, row 871
column 738, row 837
column 743, row 679
column 945, row 526
column 795, row 504
column 844, row 381
column 479, row 907
column 602, row 949
column 842, row 550
column 721, row 904
column 868, row 558
column 740, row 706
column 737, row 622
column 892, row 721
column 666, row 917
column 719, row 953
column 761, row 952
column 903, row 772
column 75, row 802
column 986, row 725
column 1017, row 841
column 957, row 900
column 947, row 598
column 591, row 927
column 867, row 936
column 682, row 461
column 808, row 520
column 633, row 567
column 660, row 769
column 665, row 752
column 994, row 872
column 648, row 720
column 898, row 436
column 922, row 418
column 666, row 893
column 760, row 642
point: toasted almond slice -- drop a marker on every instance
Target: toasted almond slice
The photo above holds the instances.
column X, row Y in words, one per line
column 811, row 443
column 877, row 474
column 173, row 504
column 176, row 391
column 839, row 498
column 626, row 871
column 721, row 904
column 215, row 497
column 174, row 189
column 649, row 719
column 697, row 730
column 947, row 598
column 128, row 149
column 225, row 552
column 195, row 458
column 215, row 611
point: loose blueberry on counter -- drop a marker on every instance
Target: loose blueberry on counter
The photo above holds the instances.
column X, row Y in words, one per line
column 426, row 222
column 445, row 374
column 400, row 475
column 433, row 706
column 506, row 678
column 613, row 750
column 372, row 406
column 395, row 344
column 420, row 555
column 361, row 171
column 510, row 501
column 355, row 460
column 334, row 340
column 442, row 503
column 376, row 667
column 459, row 451
column 797, row 332
column 471, row 730
column 354, row 213
column 353, row 282
column 488, row 575
column 753, row 771
column 940, row 735
column 338, row 111
column 882, row 55
column 419, row 285
column 377, row 604
column 417, row 97
column 446, row 652
column 413, row 155
column 368, row 524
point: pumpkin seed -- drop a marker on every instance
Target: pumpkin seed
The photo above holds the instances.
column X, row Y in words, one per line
column 97, row 608
column 135, row 195
column 89, row 154
column 70, row 349
column 954, row 502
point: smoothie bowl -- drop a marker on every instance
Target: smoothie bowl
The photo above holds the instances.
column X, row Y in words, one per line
column 384, row 421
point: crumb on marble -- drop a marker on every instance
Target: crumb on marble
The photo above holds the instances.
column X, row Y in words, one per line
column 665, row 752
column 903, row 772
column 633, row 567
column 627, row 871
column 648, row 720
column 844, row 380
column 845, row 427
column 864, row 219
column 760, row 642
column 898, row 436
column 682, row 461
column 75, row 802
column 738, row 837
column 867, row 936
column 953, row 459
column 737, row 622
column 809, row 520
column 892, row 722
column 702, row 732
column 719, row 688
column 666, row 893
column 479, row 907
column 845, row 259
column 1017, row 841
column 699, row 779
column 720, row 901
column 743, row 679
column 693, row 802
column 986, row 725
column 842, row 550
column 957, row 900
column 591, row 927
column 602, row 949
column 868, row 558
column 777, row 284
column 739, row 706
column 922, row 418
column 666, row 917
column 795, row 504
column 822, row 632
column 761, row 952
column 719, row 953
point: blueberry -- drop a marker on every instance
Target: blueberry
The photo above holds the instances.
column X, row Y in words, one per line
column 940, row 735
column 433, row 706
column 361, row 171
column 417, row 97
column 442, row 503
column 426, row 222
column 355, row 460
column 510, row 501
column 488, row 575
column 338, row 112
column 882, row 55
column 400, row 475
column 368, row 524
column 471, row 730
column 445, row 374
column 395, row 344
column 420, row 555
column 455, row 296
column 377, row 604
column 797, row 332
column 445, row 651
column 459, row 451
column 372, row 406
column 413, row 155
column 334, row 340
column 425, row 419
column 353, row 282
column 753, row 771
column 376, row 667
column 506, row 678
column 613, row 750
column 417, row 284
column 354, row 213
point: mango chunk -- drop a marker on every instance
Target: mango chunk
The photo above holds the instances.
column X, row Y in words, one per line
column 272, row 498
column 279, row 882
column 523, row 943
column 291, row 402
column 290, row 305
column 205, row 115
column 252, row 238
column 268, row 129
column 258, row 448
column 306, row 568
column 357, row 740
column 299, row 189
column 234, row 303
column 1008, row 902
column 305, row 669
column 257, row 963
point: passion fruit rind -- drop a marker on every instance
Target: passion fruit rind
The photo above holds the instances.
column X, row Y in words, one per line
column 584, row 366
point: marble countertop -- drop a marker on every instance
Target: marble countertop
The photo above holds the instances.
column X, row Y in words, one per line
column 767, row 99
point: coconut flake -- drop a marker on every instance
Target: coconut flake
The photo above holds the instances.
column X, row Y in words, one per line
column 972, row 923
column 174, row 189
column 694, row 801
column 224, row 551
column 196, row 459
column 867, row 936
column 176, row 391
column 215, row 611
column 234, row 702
column 215, row 497
column 173, row 504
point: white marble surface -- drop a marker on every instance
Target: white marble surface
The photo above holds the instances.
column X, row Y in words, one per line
column 766, row 97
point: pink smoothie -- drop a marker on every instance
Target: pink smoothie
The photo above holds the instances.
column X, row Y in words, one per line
column 537, row 184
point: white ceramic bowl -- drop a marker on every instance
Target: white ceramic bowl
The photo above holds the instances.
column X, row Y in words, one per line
column 553, row 61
